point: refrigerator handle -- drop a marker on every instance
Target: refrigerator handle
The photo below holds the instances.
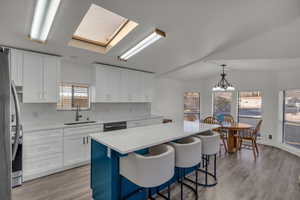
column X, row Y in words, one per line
column 18, row 125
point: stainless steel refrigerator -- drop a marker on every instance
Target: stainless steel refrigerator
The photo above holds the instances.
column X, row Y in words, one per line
column 10, row 130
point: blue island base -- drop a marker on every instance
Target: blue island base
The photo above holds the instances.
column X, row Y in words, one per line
column 107, row 183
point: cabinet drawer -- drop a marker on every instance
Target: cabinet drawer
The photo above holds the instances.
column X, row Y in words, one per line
column 52, row 146
column 85, row 129
column 42, row 164
column 41, row 137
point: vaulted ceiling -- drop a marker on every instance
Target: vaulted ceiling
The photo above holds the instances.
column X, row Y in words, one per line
column 247, row 35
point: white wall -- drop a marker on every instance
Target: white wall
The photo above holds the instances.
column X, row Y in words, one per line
column 168, row 98
column 76, row 73
column 269, row 83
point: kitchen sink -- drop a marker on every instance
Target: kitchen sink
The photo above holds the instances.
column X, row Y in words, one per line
column 83, row 122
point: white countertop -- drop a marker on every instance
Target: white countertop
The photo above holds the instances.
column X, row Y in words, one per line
column 38, row 126
column 134, row 139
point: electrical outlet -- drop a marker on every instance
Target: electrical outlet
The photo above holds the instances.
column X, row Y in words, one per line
column 270, row 137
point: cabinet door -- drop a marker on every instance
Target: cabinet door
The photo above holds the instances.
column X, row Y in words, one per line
column 75, row 149
column 148, row 87
column 88, row 148
column 136, row 86
column 107, row 84
column 51, row 69
column 16, row 63
column 125, row 89
column 102, row 93
column 33, row 78
column 114, row 83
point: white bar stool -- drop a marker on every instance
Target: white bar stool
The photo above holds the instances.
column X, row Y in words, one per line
column 187, row 152
column 210, row 147
column 150, row 170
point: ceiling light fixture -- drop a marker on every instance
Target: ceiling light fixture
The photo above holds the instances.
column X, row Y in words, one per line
column 153, row 37
column 223, row 84
column 43, row 17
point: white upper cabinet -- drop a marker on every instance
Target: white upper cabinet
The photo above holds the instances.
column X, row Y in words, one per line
column 126, row 86
column 148, row 86
column 33, row 78
column 136, row 86
column 122, row 85
column 16, row 63
column 51, row 78
column 41, row 73
column 107, row 84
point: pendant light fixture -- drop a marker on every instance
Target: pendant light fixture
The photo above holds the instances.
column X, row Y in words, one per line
column 223, row 84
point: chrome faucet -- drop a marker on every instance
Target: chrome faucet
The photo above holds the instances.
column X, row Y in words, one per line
column 78, row 116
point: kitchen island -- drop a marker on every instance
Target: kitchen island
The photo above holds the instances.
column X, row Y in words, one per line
column 108, row 147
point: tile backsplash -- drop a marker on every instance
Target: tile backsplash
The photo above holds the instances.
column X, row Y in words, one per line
column 35, row 113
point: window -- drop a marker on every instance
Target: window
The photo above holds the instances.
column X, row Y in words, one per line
column 249, row 107
column 291, row 114
column 191, row 108
column 73, row 95
column 101, row 28
column 222, row 103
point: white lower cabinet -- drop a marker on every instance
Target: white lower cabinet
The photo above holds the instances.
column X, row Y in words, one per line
column 42, row 153
column 75, row 149
column 77, row 144
column 49, row 151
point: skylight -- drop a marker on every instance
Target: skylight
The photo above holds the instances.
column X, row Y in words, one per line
column 101, row 28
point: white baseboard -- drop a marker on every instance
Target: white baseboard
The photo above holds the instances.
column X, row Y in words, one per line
column 281, row 146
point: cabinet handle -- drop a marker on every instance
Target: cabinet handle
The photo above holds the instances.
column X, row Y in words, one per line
column 87, row 139
column 83, row 140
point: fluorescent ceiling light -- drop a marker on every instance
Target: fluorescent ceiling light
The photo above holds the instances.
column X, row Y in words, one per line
column 153, row 37
column 44, row 13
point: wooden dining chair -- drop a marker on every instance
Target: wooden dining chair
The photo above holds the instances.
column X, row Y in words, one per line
column 250, row 135
column 212, row 120
column 229, row 119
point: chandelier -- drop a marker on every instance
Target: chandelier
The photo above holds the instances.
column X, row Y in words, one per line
column 223, row 84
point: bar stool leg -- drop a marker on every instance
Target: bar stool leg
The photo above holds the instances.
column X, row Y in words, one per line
column 196, row 171
column 206, row 172
column 149, row 194
column 181, row 185
column 215, row 166
column 163, row 196
column 169, row 193
column 206, row 168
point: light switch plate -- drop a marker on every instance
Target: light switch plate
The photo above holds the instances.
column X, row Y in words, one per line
column 270, row 137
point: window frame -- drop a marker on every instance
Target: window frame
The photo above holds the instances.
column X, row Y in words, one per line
column 238, row 105
column 74, row 108
column 284, row 92
column 213, row 101
column 195, row 113
column 98, row 43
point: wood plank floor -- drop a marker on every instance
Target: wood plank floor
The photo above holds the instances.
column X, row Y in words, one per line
column 273, row 176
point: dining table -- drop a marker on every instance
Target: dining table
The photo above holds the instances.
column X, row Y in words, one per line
column 233, row 129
